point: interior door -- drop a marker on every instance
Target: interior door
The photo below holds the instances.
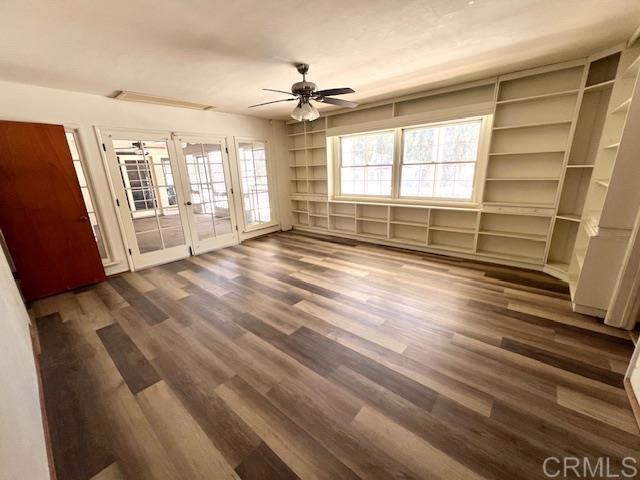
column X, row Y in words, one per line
column 147, row 182
column 42, row 214
column 208, row 192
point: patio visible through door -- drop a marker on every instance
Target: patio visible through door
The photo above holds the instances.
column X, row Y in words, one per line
column 173, row 195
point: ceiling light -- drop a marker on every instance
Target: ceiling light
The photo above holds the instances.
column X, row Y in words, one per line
column 154, row 99
column 305, row 111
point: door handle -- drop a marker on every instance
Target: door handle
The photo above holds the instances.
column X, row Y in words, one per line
column 83, row 218
column 187, row 203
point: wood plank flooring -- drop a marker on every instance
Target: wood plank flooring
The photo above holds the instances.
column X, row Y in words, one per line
column 301, row 356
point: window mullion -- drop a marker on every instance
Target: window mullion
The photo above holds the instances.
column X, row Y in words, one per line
column 398, row 155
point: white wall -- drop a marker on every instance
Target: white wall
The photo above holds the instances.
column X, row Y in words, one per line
column 22, row 447
column 29, row 103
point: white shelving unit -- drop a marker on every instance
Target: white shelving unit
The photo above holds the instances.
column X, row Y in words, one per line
column 555, row 138
column 307, row 157
column 611, row 200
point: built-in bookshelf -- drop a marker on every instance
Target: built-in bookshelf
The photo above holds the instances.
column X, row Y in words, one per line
column 534, row 118
column 594, row 102
column 553, row 140
column 307, row 157
column 611, row 200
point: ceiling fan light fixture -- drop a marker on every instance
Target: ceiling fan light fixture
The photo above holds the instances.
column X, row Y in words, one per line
column 296, row 113
column 305, row 111
column 309, row 112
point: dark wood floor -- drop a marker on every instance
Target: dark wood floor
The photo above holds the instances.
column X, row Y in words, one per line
column 292, row 356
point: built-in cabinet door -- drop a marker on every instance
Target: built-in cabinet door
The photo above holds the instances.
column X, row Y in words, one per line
column 42, row 214
column 146, row 177
column 207, row 190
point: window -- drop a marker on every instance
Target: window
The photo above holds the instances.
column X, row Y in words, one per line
column 86, row 193
column 366, row 164
column 172, row 197
column 254, row 182
column 436, row 161
column 440, row 161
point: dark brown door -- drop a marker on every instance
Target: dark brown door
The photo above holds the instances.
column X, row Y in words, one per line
column 42, row 214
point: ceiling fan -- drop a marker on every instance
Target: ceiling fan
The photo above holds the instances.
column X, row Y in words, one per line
column 303, row 92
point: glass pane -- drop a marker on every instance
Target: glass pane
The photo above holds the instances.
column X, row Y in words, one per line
column 149, row 241
column 205, row 168
column 223, row 226
column 86, row 193
column 369, row 149
column 172, row 237
column 254, row 182
column 453, row 148
column 417, row 180
column 418, row 145
column 148, row 178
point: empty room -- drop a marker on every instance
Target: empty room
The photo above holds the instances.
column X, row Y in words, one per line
column 376, row 239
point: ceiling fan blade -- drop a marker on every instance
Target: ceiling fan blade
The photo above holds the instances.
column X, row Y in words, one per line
column 337, row 101
column 279, row 91
column 334, row 91
column 275, row 101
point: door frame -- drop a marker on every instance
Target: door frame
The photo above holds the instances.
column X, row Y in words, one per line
column 229, row 182
column 135, row 259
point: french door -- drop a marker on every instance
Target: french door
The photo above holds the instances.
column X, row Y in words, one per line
column 172, row 195
column 206, row 180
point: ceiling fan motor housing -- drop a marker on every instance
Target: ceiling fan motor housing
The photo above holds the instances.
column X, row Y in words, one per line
column 303, row 88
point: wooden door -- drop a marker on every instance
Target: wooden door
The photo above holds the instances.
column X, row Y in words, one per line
column 42, row 214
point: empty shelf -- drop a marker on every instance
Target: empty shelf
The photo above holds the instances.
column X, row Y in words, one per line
column 520, row 204
column 512, row 257
column 372, row 219
column 572, row 217
column 529, row 152
column 409, row 224
column 525, row 236
column 452, row 248
column 453, row 229
column 521, row 179
column 598, row 86
column 558, row 265
column 528, row 125
column 632, row 70
column 536, row 97
column 623, row 107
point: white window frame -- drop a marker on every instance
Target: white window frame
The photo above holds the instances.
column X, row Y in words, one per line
column 398, row 152
column 75, row 132
column 393, row 161
column 271, row 185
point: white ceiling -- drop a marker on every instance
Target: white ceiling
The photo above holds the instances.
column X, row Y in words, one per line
column 223, row 52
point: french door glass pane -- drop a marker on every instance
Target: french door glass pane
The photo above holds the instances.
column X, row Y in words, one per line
column 254, row 182
column 209, row 194
column 86, row 193
column 148, row 180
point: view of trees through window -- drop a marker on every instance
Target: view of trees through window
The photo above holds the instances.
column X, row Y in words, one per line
column 367, row 164
column 435, row 161
column 440, row 161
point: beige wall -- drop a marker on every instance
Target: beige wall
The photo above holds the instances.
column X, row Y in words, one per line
column 22, row 446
